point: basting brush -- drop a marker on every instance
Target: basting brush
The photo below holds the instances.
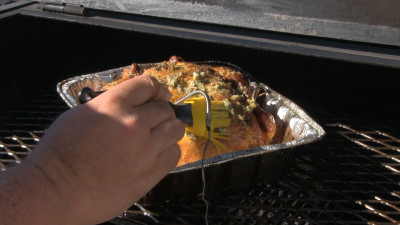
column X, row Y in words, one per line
column 202, row 115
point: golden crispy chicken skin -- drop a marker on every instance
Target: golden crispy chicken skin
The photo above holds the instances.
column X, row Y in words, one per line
column 249, row 127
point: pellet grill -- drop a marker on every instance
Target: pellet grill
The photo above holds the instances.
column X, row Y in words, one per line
column 339, row 60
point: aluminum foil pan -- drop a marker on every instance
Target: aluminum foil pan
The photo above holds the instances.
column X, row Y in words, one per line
column 235, row 170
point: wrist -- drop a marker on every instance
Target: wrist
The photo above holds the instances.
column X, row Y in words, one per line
column 29, row 197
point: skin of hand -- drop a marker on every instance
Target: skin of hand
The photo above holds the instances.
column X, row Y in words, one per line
column 98, row 158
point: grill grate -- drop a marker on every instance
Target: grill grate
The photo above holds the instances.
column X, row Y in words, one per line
column 24, row 120
column 349, row 177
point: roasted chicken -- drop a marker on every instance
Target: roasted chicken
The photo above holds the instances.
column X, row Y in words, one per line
column 250, row 127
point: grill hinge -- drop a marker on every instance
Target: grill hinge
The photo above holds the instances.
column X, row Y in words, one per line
column 64, row 8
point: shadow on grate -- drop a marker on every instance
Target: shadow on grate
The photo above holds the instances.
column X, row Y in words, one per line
column 349, row 177
column 24, row 120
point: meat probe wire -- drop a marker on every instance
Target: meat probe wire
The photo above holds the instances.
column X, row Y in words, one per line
column 203, row 177
column 208, row 126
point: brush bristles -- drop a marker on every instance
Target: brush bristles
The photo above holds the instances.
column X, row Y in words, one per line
column 219, row 115
column 219, row 119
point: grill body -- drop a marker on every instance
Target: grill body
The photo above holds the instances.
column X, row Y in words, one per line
column 349, row 177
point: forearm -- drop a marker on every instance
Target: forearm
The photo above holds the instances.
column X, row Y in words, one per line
column 27, row 197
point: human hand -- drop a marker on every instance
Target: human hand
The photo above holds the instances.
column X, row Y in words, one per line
column 102, row 156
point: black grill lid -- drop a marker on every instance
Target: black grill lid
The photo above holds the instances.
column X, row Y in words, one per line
column 369, row 21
